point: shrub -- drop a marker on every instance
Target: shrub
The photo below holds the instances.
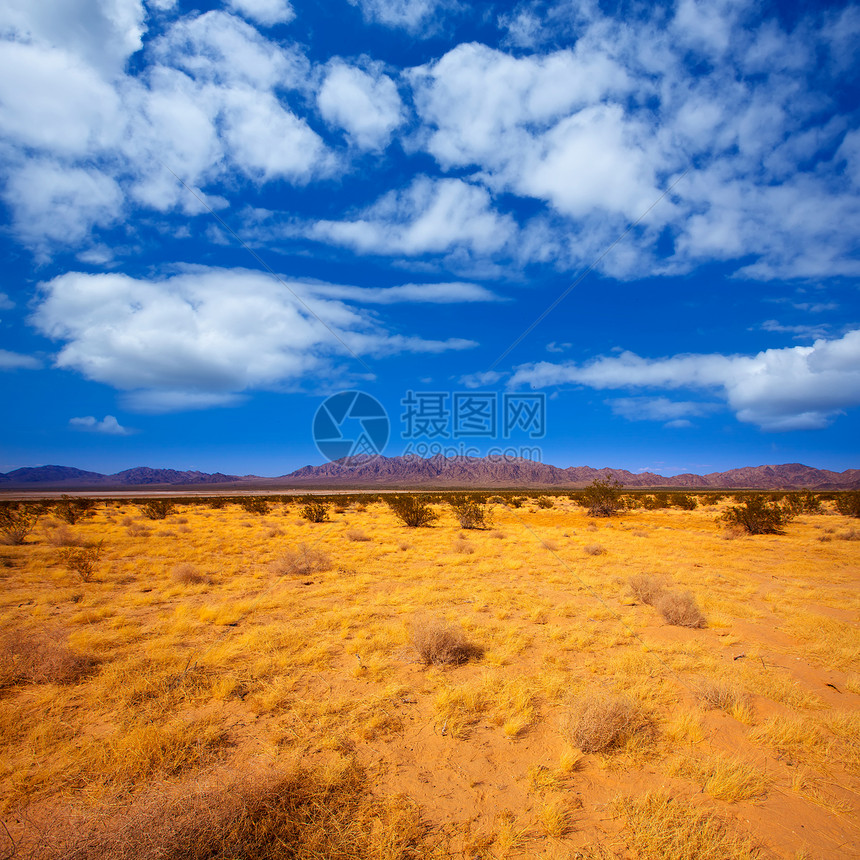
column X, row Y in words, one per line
column 315, row 512
column 602, row 498
column 684, row 501
column 471, row 514
column 848, row 503
column 758, row 516
column 657, row 502
column 82, row 560
column 357, row 535
column 71, row 510
column 63, row 536
column 601, row 722
column 28, row 658
column 594, row 549
column 301, row 814
column 17, row 521
column 217, row 503
column 462, row 545
column 186, row 574
column 412, row 511
column 157, row 509
column 439, row 644
column 304, row 560
column 256, row 505
column 647, row 589
column 804, row 502
column 679, row 608
column 544, row 502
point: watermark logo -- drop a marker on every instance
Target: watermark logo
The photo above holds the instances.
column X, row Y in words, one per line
column 351, row 425
column 353, row 428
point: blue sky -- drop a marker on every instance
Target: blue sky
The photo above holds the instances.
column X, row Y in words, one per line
column 214, row 215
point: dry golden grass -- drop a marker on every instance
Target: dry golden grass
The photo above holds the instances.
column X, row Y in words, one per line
column 724, row 777
column 30, row 658
column 302, row 815
column 660, row 826
column 295, row 646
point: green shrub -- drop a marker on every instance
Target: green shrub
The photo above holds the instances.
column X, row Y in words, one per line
column 471, row 514
column 684, row 501
column 315, row 512
column 157, row 509
column 255, row 505
column 603, row 498
column 849, row 503
column 758, row 516
column 544, row 502
column 412, row 511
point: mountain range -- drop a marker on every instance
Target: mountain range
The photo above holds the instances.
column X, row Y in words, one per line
column 436, row 472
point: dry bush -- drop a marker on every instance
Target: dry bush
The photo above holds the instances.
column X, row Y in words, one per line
column 463, row 545
column 600, row 722
column 304, row 560
column 157, row 509
column 647, row 589
column 679, row 608
column 82, row 560
column 17, row 520
column 848, row 534
column 64, row 536
column 723, row 695
column 357, row 535
column 301, row 815
column 138, row 530
column 594, row 549
column 439, row 644
column 187, row 574
column 41, row 659
column 498, row 535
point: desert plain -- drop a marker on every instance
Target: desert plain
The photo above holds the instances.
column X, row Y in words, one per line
column 232, row 684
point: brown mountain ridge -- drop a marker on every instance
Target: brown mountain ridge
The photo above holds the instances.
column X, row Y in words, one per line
column 439, row 471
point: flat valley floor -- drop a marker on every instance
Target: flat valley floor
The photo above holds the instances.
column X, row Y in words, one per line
column 225, row 677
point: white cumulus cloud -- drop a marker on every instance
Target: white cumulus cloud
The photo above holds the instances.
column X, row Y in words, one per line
column 265, row 12
column 204, row 336
column 108, row 425
column 429, row 216
column 793, row 388
column 365, row 104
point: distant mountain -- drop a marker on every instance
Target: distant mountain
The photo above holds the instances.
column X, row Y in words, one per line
column 58, row 476
column 488, row 472
column 408, row 472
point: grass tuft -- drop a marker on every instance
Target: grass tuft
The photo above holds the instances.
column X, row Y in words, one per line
column 600, row 722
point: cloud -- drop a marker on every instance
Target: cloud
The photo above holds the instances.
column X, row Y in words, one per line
column 446, row 293
column 265, row 12
column 660, row 409
column 793, row 388
column 429, row 216
column 205, row 336
column 6, row 303
column 107, row 32
column 800, row 332
column 56, row 204
column 599, row 131
column 365, row 104
column 416, row 16
column 16, row 361
column 109, row 425
column 210, row 100
column 485, row 379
